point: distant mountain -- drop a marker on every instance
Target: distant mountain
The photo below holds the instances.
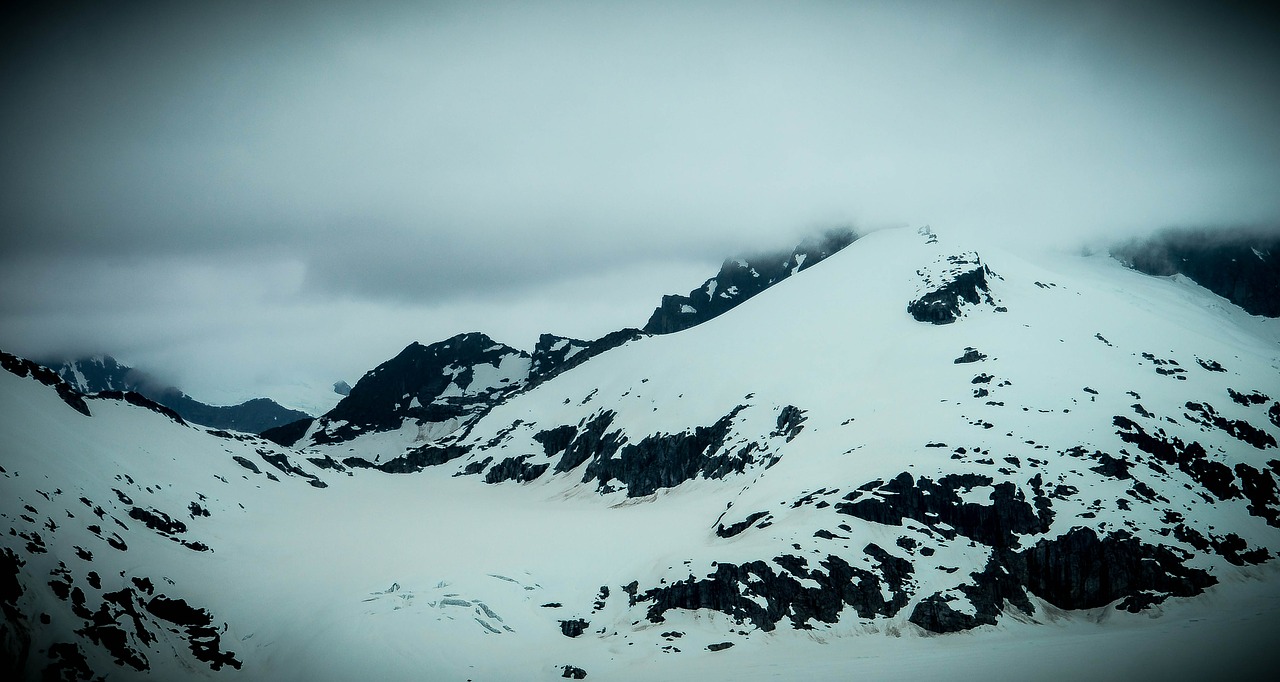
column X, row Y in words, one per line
column 1054, row 455
column 417, row 391
column 104, row 373
column 1242, row 265
column 739, row 280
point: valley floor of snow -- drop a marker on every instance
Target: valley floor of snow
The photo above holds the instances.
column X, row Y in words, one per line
column 533, row 542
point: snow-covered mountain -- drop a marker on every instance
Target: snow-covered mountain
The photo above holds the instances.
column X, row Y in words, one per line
column 95, row 374
column 427, row 392
column 1067, row 461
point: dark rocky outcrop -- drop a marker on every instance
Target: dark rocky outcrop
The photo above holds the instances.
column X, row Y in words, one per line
column 735, row 590
column 553, row 355
column 290, row 433
column 157, row 520
column 790, row 422
column 1237, row 428
column 1077, row 570
column 667, row 460
column 1111, row 467
column 942, row 303
column 26, row 368
column 1190, row 458
column 1241, row 265
column 591, row 440
column 515, row 469
column 1080, row 570
column 970, row 355
column 116, row 625
column 737, row 528
column 246, row 464
column 66, row 662
column 1247, row 399
column 412, row 462
column 281, row 462
column 203, row 637
column 937, row 505
column 1259, row 487
column 739, row 280
column 410, row 386
column 15, row 630
column 988, row 594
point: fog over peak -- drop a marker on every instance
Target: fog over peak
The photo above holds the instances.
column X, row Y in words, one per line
column 305, row 187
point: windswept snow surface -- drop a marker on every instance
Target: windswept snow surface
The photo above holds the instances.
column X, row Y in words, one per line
column 566, row 529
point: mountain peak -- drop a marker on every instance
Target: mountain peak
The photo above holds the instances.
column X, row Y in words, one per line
column 740, row 279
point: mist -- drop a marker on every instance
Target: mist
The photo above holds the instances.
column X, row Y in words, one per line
column 239, row 196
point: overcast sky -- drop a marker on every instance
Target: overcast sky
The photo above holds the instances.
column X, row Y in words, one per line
column 244, row 196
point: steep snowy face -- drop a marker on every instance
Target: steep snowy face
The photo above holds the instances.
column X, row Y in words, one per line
column 115, row 508
column 1035, row 422
column 820, row 465
column 385, row 428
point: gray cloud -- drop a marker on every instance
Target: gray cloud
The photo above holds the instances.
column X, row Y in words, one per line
column 272, row 158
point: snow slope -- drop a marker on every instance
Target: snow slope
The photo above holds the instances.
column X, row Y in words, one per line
column 1073, row 475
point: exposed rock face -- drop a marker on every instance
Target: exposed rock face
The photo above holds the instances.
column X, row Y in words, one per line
column 555, row 354
column 451, row 379
column 971, row 355
column 417, row 460
column 667, row 460
column 616, row 461
column 949, row 285
column 738, row 590
column 738, row 281
column 593, row 441
column 938, row 506
column 1079, row 570
column 1191, row 457
column 573, row 628
column 290, row 433
column 515, row 469
column 26, row 368
column 1242, row 265
column 15, row 632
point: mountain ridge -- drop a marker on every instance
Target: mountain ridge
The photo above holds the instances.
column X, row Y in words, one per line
column 103, row 373
column 738, row 280
column 1080, row 444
